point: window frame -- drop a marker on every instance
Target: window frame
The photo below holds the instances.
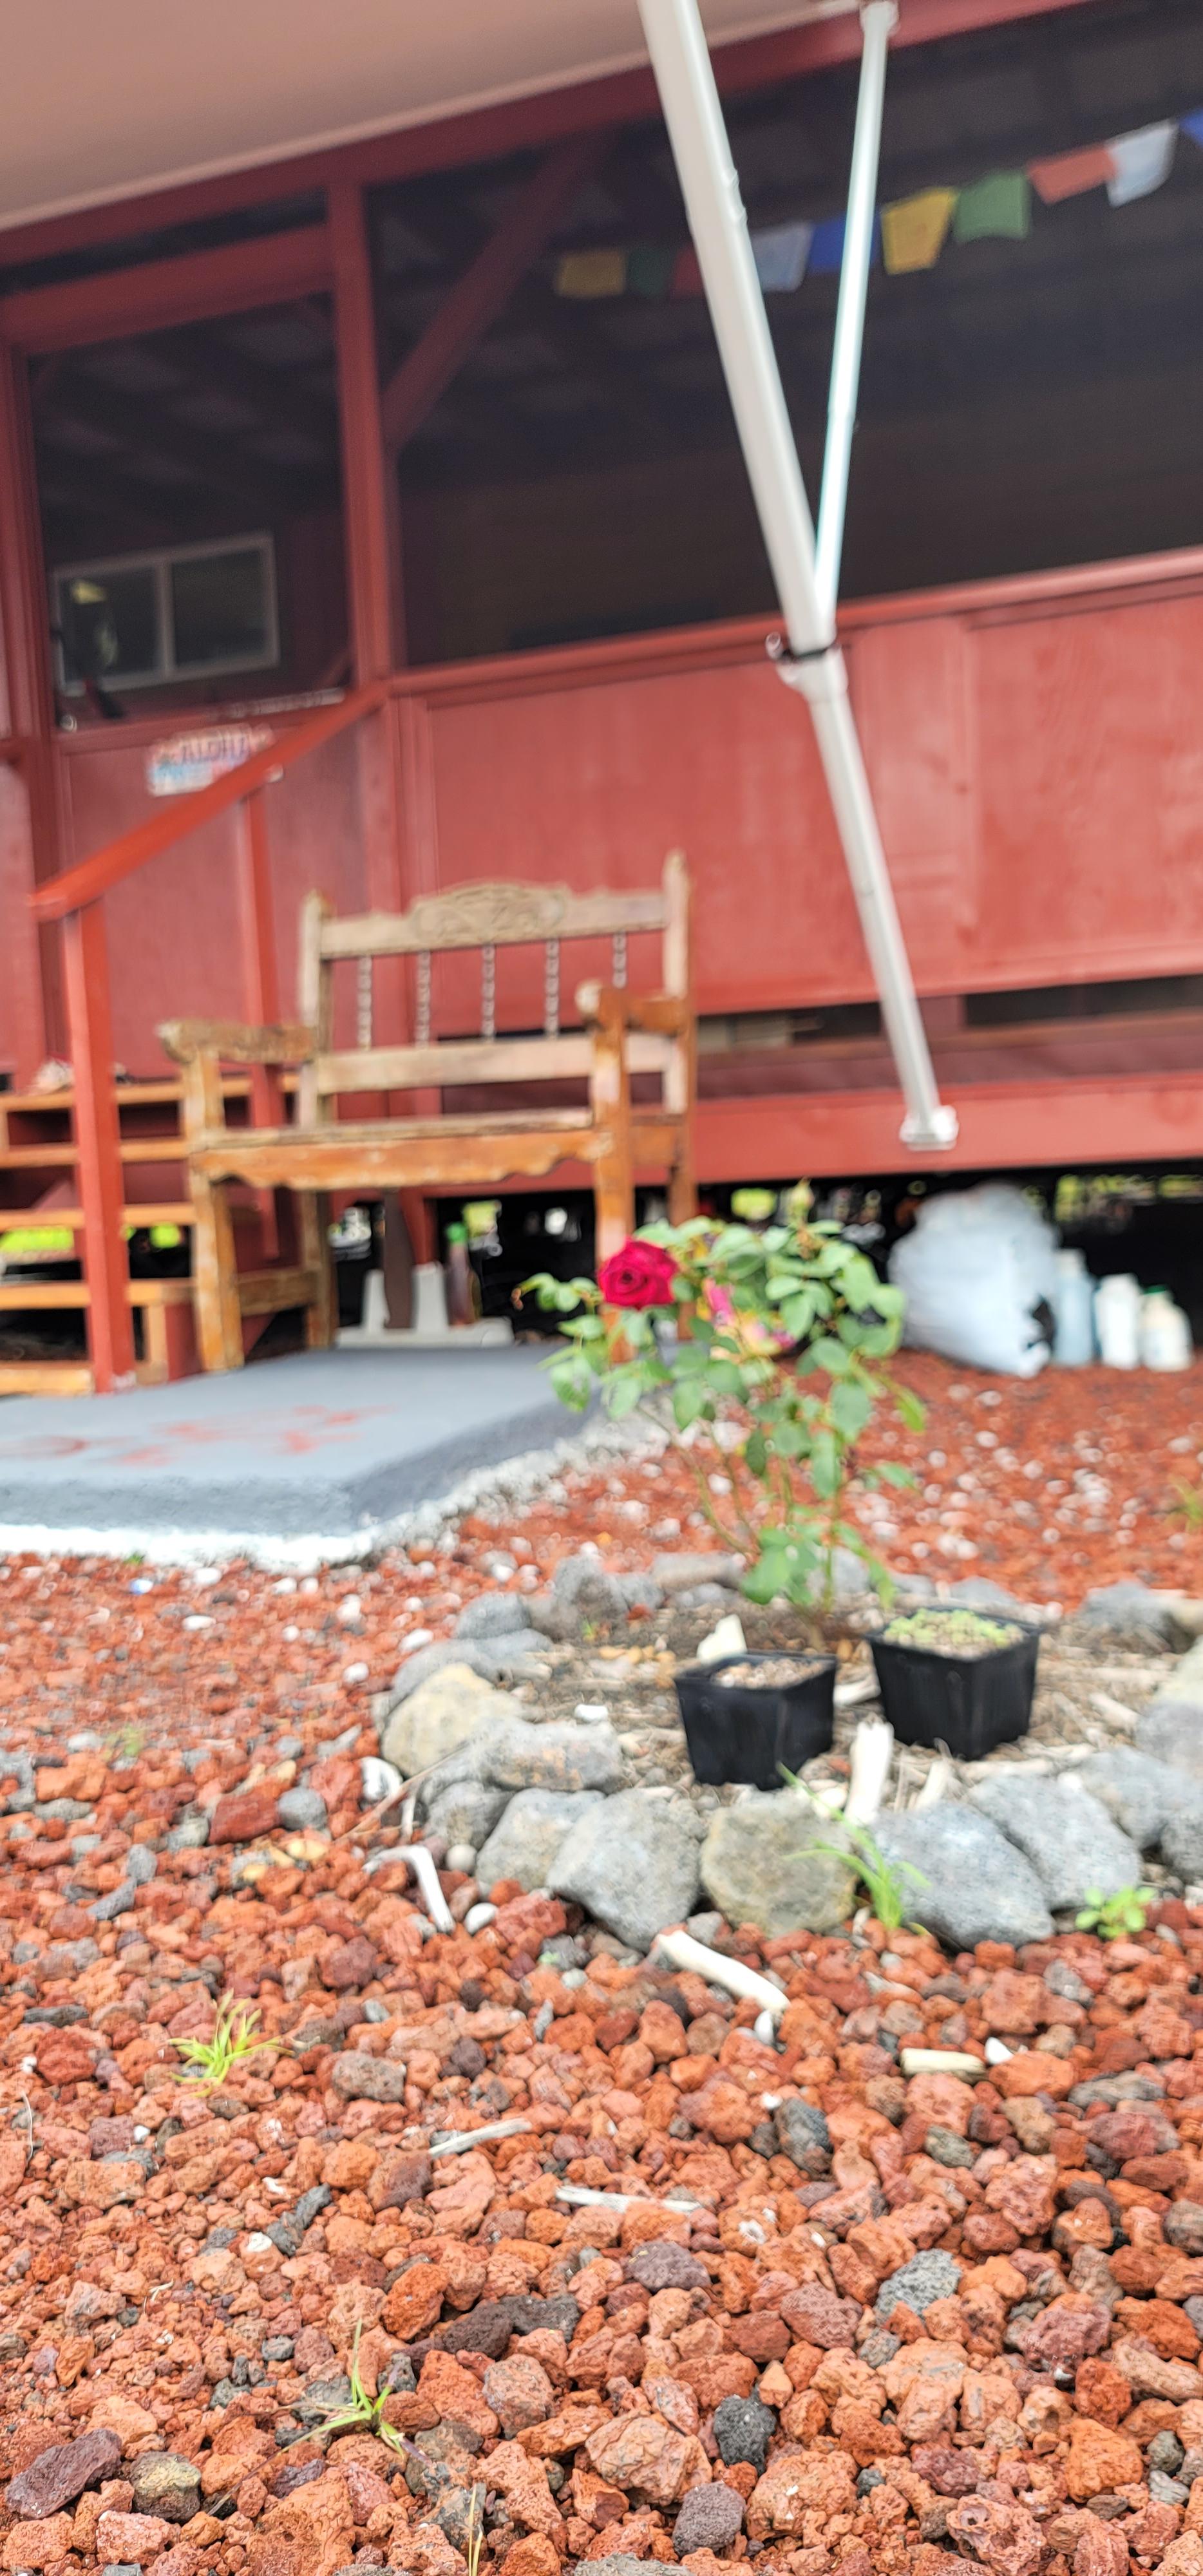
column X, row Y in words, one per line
column 159, row 561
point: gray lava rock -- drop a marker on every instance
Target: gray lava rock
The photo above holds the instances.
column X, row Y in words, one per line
column 448, row 1706
column 165, row 2483
column 492, row 1614
column 518, row 1756
column 1071, row 1841
column 191, row 1833
column 761, row 1865
column 120, row 1900
column 466, row 1813
column 302, row 1811
column 140, row 1865
column 618, row 2562
column 946, row 2148
column 1139, row 1794
column 976, row 1592
column 979, row 1888
column 360, row 2078
column 503, row 1655
column 686, row 1568
column 743, row 2429
column 1171, row 1728
column 631, row 1864
column 803, row 2136
column 1133, row 1611
column 661, row 2265
column 1182, row 1834
column 710, row 2518
column 917, row 2283
column 60, row 2474
column 532, row 1831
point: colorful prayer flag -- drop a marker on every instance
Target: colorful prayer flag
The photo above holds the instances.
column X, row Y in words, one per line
column 914, row 231
column 687, row 276
column 1070, row 174
column 996, row 209
column 650, row 271
column 1143, row 161
column 781, row 254
column 827, row 246
column 587, row 275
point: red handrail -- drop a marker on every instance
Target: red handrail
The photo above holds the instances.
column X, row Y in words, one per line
column 122, row 858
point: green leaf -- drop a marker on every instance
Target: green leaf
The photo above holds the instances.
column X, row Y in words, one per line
column 892, row 1474
column 726, row 1378
column 827, row 1353
column 824, row 1466
column 798, row 1313
column 573, row 1383
column 851, row 1406
column 756, row 1453
column 766, row 1578
column 911, row 1411
column 859, row 1281
column 622, row 1396
column 690, row 1404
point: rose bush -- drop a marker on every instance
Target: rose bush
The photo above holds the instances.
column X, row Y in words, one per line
column 760, row 1350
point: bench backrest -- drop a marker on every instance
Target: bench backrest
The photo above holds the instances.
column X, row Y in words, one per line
column 483, row 917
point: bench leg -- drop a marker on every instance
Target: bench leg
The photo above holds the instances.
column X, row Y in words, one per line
column 215, row 1278
column 321, row 1318
column 682, row 1186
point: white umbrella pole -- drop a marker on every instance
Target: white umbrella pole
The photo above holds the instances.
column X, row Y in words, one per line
column 816, row 665
column 878, row 20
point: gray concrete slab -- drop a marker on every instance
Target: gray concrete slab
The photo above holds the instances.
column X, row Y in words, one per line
column 316, row 1454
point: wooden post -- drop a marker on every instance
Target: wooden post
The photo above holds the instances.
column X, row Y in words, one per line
column 369, row 507
column 29, row 714
column 260, row 980
column 98, row 1147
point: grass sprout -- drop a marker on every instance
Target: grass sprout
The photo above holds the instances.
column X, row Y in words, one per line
column 366, row 2414
column 884, row 1881
column 1113, row 1916
column 234, row 2039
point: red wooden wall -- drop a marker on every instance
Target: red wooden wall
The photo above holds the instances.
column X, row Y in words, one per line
column 1034, row 747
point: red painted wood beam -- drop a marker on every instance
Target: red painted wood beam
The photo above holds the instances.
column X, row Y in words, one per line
column 369, row 483
column 162, row 292
column 485, row 288
column 98, row 1146
column 35, row 991
column 1112, row 1120
column 478, row 134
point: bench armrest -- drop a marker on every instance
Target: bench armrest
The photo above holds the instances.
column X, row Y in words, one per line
column 665, row 1015
column 232, row 1043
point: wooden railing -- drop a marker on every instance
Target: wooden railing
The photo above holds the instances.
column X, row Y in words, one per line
column 76, row 900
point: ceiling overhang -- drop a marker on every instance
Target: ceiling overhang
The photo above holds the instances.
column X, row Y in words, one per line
column 134, row 97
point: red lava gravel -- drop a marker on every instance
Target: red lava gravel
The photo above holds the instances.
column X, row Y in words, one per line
column 828, row 2315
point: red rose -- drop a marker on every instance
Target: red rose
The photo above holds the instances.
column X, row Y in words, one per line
column 642, row 1274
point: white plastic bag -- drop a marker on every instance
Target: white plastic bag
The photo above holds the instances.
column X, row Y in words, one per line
column 979, row 1276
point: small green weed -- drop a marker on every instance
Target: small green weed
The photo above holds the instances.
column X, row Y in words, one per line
column 1189, row 1503
column 881, row 1879
column 364, row 2412
column 127, row 1743
column 1113, row 1916
column 210, row 2061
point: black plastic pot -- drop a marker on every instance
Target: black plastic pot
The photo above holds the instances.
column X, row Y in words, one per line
column 748, row 1735
column 968, row 1702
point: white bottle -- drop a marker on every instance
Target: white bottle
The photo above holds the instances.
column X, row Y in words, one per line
column 1165, row 1341
column 1117, row 1321
column 1073, row 1346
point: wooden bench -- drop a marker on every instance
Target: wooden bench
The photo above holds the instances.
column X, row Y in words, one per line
column 622, row 1035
